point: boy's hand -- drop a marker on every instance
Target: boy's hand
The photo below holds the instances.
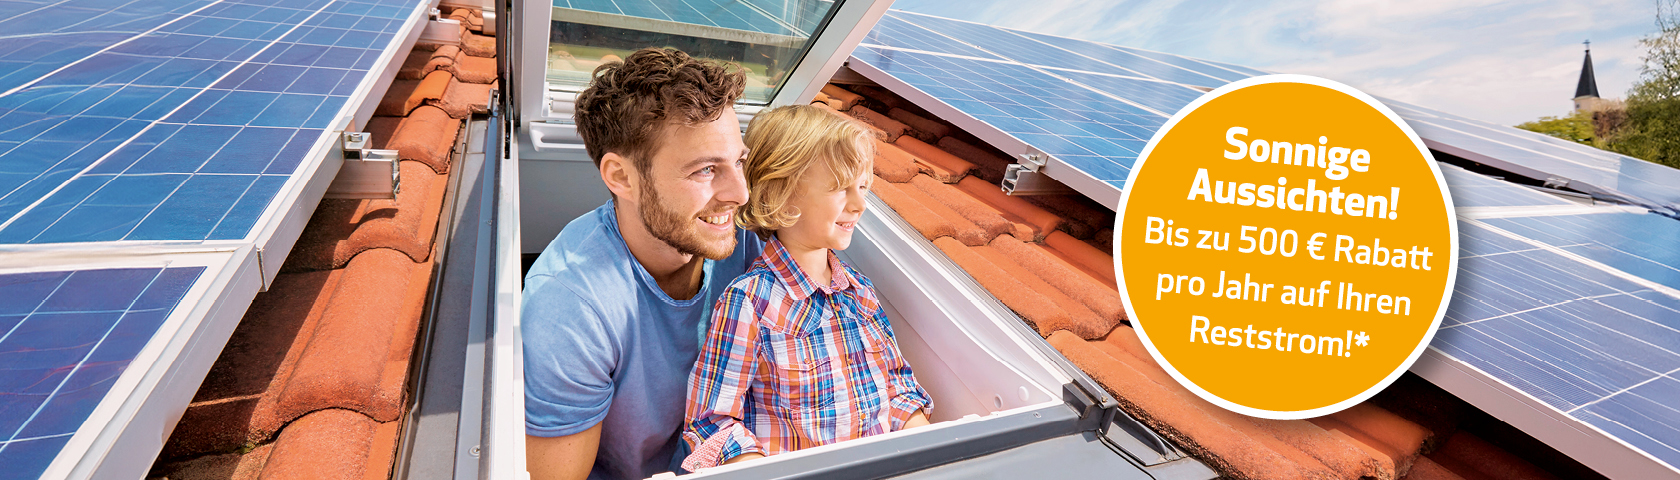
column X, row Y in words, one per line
column 744, row 457
column 918, row 419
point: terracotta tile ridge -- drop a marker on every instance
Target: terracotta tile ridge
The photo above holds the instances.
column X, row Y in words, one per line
column 1042, row 221
column 893, row 164
column 892, row 128
column 879, row 134
column 471, row 69
column 1396, row 438
column 1079, row 319
column 961, row 228
column 421, row 62
column 944, row 166
column 1098, row 264
column 924, row 129
column 931, row 225
column 846, row 98
column 1036, row 310
column 988, row 219
column 462, row 99
column 332, row 444
column 477, row 45
column 987, row 165
column 340, row 229
column 1104, row 301
column 427, row 135
column 356, row 356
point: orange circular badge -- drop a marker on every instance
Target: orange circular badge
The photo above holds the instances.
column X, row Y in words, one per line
column 1286, row 246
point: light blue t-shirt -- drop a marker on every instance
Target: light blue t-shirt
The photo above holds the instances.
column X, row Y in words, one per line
column 603, row 344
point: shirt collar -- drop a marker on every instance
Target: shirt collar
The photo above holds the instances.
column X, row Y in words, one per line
column 800, row 285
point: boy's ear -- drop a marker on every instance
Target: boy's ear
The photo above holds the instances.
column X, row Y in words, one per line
column 616, row 173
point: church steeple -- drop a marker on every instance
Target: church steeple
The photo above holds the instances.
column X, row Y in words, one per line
column 1588, row 86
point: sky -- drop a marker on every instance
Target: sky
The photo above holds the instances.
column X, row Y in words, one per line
column 1499, row 61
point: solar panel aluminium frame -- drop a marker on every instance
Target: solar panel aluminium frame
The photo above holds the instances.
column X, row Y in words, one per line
column 280, row 226
column 1102, row 192
column 1582, row 441
column 127, row 429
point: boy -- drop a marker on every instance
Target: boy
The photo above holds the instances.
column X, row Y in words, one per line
column 799, row 352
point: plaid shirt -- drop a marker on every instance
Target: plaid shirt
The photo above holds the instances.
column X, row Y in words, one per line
column 789, row 364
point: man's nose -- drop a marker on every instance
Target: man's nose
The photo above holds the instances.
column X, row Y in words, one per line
column 731, row 187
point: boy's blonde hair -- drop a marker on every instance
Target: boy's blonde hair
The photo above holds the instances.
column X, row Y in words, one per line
column 784, row 144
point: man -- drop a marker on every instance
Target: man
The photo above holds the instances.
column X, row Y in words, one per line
column 615, row 306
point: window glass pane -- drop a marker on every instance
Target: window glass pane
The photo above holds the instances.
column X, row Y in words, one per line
column 766, row 37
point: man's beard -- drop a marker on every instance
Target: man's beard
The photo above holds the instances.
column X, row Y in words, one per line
column 678, row 231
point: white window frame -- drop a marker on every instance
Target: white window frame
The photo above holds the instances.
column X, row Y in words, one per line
column 545, row 111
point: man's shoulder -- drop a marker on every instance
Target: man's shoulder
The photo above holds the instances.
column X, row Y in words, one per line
column 584, row 265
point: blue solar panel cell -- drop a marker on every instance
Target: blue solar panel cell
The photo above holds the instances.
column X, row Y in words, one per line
column 1163, row 97
column 1007, row 44
column 896, row 33
column 1475, row 190
column 76, row 333
column 1130, row 62
column 1640, row 244
column 149, row 93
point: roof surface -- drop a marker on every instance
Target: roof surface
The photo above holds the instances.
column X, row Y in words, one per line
column 314, row 382
column 1046, row 258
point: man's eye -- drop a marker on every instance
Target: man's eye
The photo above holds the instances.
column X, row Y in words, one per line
column 707, row 170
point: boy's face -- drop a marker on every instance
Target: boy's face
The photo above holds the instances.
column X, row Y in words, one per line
column 693, row 185
column 828, row 214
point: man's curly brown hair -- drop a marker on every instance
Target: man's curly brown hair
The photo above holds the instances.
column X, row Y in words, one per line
column 630, row 100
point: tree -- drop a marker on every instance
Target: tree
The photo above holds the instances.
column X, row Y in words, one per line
column 1652, row 129
column 1576, row 127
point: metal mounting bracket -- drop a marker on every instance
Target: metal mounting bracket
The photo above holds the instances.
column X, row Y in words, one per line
column 366, row 173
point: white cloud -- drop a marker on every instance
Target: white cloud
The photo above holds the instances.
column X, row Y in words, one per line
column 1500, row 61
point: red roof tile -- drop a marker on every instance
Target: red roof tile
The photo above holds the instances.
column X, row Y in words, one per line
column 846, row 98
column 1015, row 209
column 405, row 95
column 987, row 164
column 933, row 161
column 1038, row 311
column 893, row 164
column 333, row 444
column 1098, row 264
column 343, row 228
column 421, row 62
column 472, row 69
column 427, row 135
column 893, row 129
column 921, row 128
column 462, row 99
column 478, row 45
column 983, row 216
column 927, row 215
column 1101, row 299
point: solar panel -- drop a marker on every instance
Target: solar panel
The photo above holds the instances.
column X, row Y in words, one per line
column 1132, row 62
column 65, row 337
column 714, row 13
column 1606, row 175
column 41, row 36
column 1585, row 338
column 1099, row 135
column 188, row 131
column 150, row 120
column 1474, row 190
column 896, row 33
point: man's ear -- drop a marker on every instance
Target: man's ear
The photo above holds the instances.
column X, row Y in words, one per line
column 616, row 173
